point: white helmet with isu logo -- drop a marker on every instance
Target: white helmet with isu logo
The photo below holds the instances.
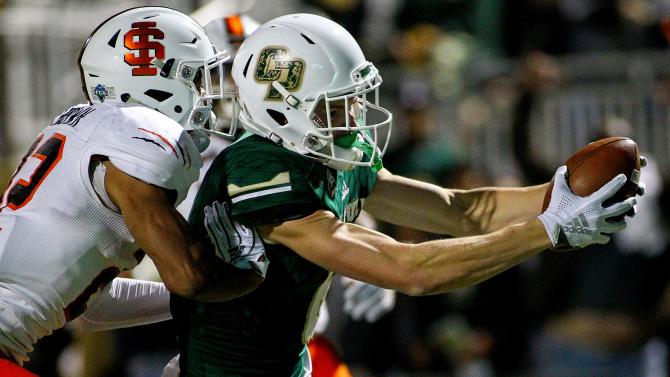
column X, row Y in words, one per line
column 157, row 57
column 304, row 83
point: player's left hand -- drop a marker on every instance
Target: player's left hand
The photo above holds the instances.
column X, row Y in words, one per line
column 578, row 221
column 235, row 243
column 363, row 300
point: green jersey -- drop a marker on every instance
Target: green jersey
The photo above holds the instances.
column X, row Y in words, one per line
column 265, row 332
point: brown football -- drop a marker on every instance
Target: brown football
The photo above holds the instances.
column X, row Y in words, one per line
column 597, row 163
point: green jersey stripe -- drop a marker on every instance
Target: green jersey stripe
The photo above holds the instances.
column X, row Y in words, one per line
column 279, row 179
column 257, row 194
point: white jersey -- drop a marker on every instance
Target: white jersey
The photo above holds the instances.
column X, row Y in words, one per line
column 58, row 242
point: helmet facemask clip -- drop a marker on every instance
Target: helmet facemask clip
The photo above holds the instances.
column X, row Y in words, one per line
column 288, row 97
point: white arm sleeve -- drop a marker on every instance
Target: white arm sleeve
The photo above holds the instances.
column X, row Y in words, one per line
column 126, row 303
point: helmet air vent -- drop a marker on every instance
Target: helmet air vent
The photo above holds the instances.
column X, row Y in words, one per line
column 112, row 41
column 277, row 117
column 158, row 95
column 246, row 66
column 307, row 39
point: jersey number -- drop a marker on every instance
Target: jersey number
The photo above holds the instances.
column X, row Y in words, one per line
column 49, row 153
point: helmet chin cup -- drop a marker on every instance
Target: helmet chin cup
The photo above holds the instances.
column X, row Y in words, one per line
column 346, row 158
column 332, row 155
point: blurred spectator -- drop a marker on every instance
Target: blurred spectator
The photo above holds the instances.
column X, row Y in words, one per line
column 596, row 315
column 599, row 318
column 479, row 18
column 496, row 312
column 419, row 152
column 468, row 348
column 568, row 26
column 348, row 13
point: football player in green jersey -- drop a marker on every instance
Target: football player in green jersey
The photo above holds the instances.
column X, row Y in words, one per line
column 310, row 163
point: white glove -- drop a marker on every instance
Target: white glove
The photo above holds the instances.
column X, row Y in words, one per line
column 363, row 300
column 172, row 368
column 580, row 221
column 235, row 243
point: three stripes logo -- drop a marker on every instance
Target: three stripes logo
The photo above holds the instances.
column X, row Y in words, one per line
column 578, row 225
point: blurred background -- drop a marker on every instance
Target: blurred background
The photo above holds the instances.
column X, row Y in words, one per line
column 484, row 92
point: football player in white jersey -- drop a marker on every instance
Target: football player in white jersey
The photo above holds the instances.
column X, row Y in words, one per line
column 101, row 182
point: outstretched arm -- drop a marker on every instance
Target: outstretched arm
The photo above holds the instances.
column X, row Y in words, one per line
column 186, row 267
column 443, row 265
column 424, row 206
column 416, row 269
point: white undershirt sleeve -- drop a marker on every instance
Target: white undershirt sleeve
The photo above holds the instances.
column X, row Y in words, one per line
column 126, row 303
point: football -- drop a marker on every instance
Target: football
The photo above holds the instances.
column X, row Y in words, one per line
column 597, row 163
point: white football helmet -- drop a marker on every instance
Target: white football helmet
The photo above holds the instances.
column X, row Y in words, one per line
column 303, row 82
column 157, row 57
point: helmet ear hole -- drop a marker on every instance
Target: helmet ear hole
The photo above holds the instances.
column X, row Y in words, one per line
column 277, row 117
column 158, row 95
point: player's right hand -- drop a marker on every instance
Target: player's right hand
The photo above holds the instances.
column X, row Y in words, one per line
column 363, row 300
column 172, row 368
column 235, row 243
column 577, row 221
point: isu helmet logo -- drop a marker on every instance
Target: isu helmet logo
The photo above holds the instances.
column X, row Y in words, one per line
column 137, row 39
column 275, row 64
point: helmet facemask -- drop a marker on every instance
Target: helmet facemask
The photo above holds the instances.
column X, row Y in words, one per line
column 225, row 109
column 346, row 130
column 345, row 135
column 205, row 78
